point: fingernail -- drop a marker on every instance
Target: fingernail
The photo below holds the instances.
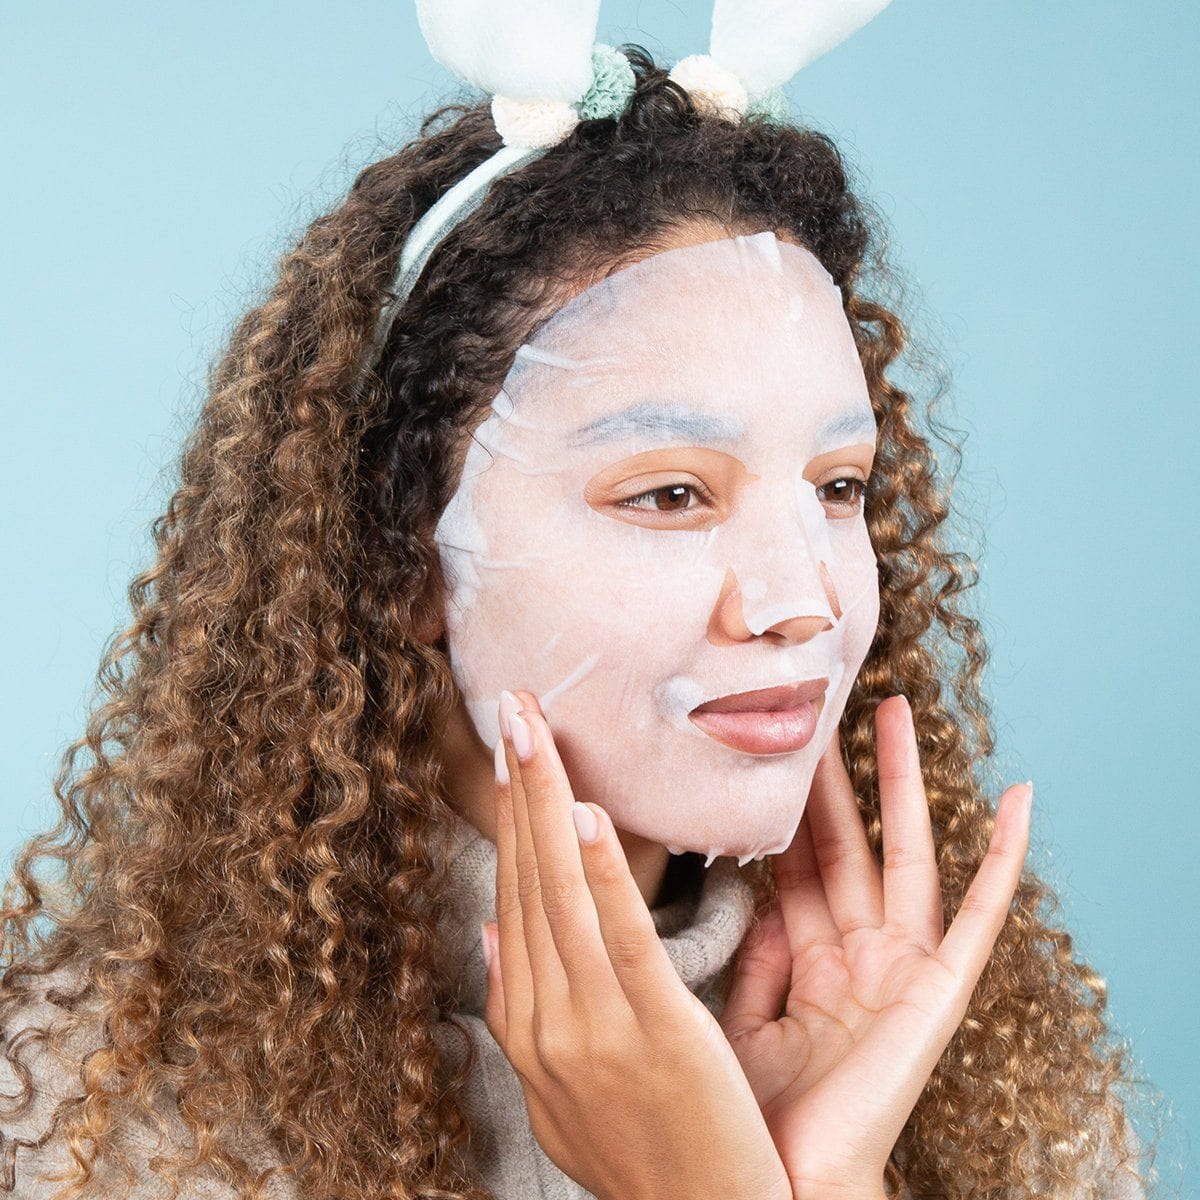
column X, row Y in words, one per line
column 1023, row 798
column 487, row 945
column 522, row 737
column 501, row 762
column 509, row 705
column 586, row 824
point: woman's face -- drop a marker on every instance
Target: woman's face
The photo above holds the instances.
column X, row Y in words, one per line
column 660, row 510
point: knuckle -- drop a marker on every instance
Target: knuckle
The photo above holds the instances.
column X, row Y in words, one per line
column 604, row 870
column 1009, row 870
column 833, row 852
column 528, row 881
column 1005, row 855
column 976, row 905
column 792, row 874
column 555, row 1042
column 627, row 950
column 525, row 859
column 611, row 1040
column 560, row 898
column 902, row 858
column 520, row 1051
column 674, row 1028
column 508, row 899
column 602, row 1049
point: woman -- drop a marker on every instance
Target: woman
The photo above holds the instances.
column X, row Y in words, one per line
column 265, row 946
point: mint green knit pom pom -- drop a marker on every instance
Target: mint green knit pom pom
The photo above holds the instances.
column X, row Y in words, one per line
column 773, row 105
column 611, row 87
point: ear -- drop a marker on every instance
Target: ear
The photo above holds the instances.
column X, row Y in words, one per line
column 431, row 629
column 428, row 613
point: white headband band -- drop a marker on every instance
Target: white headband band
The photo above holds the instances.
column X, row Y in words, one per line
column 538, row 61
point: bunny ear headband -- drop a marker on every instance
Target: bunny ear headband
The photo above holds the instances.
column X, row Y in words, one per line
column 538, row 61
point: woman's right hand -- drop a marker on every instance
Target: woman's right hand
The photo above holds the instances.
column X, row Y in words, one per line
column 632, row 1088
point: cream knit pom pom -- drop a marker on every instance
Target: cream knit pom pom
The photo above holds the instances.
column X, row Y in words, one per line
column 533, row 122
column 712, row 87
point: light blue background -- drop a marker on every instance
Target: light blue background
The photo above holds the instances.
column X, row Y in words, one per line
column 1036, row 161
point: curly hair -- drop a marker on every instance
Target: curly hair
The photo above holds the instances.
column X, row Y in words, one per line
column 251, row 856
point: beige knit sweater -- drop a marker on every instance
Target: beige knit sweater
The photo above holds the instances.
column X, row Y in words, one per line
column 701, row 933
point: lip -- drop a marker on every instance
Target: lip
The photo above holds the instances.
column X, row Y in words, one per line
column 774, row 720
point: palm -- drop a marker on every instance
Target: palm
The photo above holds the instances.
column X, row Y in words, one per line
column 848, row 1004
column 845, row 1001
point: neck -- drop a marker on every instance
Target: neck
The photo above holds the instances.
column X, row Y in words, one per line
column 701, row 923
column 471, row 784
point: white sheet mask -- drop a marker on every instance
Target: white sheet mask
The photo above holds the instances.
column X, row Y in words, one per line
column 729, row 368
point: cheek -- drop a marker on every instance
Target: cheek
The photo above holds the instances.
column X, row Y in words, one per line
column 596, row 587
column 862, row 621
column 541, row 553
column 542, row 591
column 853, row 565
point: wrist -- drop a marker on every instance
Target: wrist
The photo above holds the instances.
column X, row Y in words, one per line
column 838, row 1194
column 817, row 1190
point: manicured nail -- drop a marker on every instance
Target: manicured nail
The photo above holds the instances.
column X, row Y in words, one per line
column 1022, row 798
column 522, row 736
column 501, row 762
column 509, row 705
column 487, row 945
column 586, row 824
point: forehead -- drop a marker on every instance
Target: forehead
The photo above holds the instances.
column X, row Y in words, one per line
column 699, row 343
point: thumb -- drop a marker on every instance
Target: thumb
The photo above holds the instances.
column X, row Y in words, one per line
column 493, row 1013
column 762, row 978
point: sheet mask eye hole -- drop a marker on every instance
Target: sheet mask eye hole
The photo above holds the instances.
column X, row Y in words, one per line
column 675, row 493
column 848, row 498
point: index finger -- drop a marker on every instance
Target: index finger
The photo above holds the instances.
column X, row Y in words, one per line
column 565, row 896
column 516, row 968
column 606, row 937
column 968, row 942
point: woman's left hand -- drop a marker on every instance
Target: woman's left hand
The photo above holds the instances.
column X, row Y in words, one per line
column 871, row 990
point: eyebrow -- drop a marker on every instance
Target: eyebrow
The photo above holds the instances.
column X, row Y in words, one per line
column 674, row 421
column 662, row 419
column 848, row 428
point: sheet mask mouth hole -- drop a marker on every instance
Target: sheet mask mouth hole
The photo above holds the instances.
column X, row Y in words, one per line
column 776, row 699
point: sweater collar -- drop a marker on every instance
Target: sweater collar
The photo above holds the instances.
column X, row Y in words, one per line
column 700, row 932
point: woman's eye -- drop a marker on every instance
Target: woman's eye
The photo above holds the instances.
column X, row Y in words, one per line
column 848, row 493
column 671, row 498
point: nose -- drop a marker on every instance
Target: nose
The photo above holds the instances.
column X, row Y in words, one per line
column 777, row 585
column 729, row 623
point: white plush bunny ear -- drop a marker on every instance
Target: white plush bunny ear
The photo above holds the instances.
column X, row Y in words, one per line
column 514, row 48
column 533, row 56
column 765, row 42
column 538, row 61
column 758, row 45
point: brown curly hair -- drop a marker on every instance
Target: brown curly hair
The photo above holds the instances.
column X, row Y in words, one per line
column 252, row 852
